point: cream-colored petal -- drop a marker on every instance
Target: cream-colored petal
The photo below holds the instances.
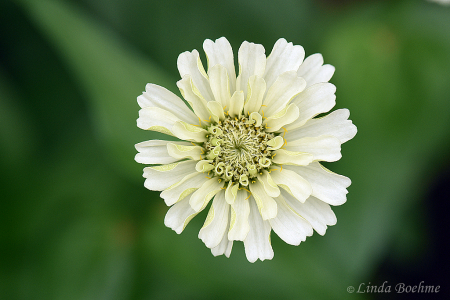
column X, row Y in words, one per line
column 257, row 118
column 284, row 57
column 285, row 116
column 192, row 95
column 335, row 124
column 313, row 70
column 179, row 215
column 216, row 111
column 288, row 225
column 257, row 242
column 270, row 186
column 201, row 197
column 284, row 89
column 183, row 188
column 184, row 151
column 266, row 205
column 157, row 96
column 189, row 63
column 224, row 246
column 236, row 104
column 284, row 157
column 216, row 222
column 189, row 132
column 255, row 94
column 316, row 212
column 220, row 84
column 161, row 177
column 156, row 119
column 323, row 148
column 221, row 53
column 293, row 183
column 326, row 185
column 231, row 192
column 275, row 143
column 204, row 166
column 240, row 210
column 155, row 152
column 314, row 100
column 252, row 61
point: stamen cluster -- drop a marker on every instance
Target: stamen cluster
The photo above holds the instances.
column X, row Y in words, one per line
column 238, row 149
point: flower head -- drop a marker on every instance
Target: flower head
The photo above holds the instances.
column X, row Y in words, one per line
column 250, row 145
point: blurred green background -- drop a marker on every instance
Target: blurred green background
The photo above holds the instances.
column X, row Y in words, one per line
column 76, row 220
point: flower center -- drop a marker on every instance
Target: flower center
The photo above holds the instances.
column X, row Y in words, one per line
column 238, row 150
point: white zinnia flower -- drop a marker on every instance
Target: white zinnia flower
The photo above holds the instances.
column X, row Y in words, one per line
column 250, row 144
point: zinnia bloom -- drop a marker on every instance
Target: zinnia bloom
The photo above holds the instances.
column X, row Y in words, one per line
column 249, row 144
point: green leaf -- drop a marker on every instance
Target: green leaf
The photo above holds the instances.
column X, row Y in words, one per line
column 16, row 132
column 111, row 73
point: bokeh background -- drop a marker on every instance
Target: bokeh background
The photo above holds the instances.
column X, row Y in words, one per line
column 75, row 219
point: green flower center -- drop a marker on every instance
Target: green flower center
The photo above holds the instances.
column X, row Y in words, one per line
column 238, row 150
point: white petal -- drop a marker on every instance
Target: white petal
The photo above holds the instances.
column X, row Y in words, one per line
column 285, row 116
column 183, row 188
column 216, row 110
column 204, row 166
column 221, row 53
column 313, row 71
column 224, row 246
column 270, row 186
column 255, row 94
column 157, row 96
column 179, row 215
column 335, row 124
column 284, row 89
column 216, row 222
column 284, row 157
column 240, row 209
column 155, row 152
column 275, row 143
column 189, row 63
column 323, row 148
column 201, row 197
column 326, row 185
column 315, row 100
column 284, row 57
column 254, row 116
column 220, row 84
column 316, row 212
column 236, row 104
column 188, row 132
column 288, row 225
column 185, row 151
column 267, row 206
column 161, row 177
column 231, row 192
column 252, row 61
column 156, row 119
column 293, row 183
column 192, row 95
column 257, row 243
